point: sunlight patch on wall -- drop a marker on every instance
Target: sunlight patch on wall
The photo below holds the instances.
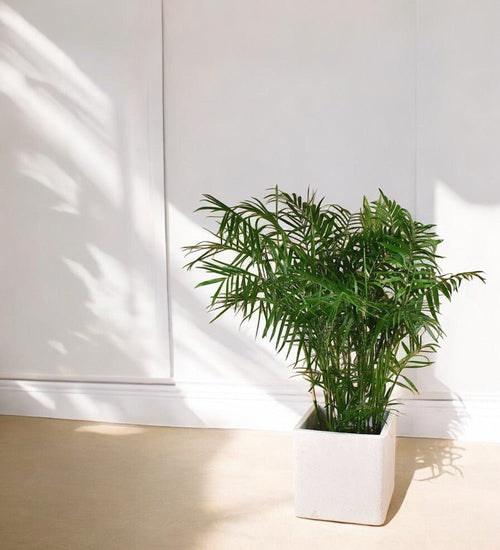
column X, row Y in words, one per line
column 147, row 217
column 58, row 346
column 43, row 170
column 59, row 101
column 18, row 24
column 123, row 308
column 59, row 126
column 90, row 409
column 37, row 395
column 51, row 60
column 470, row 233
column 84, row 178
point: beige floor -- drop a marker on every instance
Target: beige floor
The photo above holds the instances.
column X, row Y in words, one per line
column 74, row 485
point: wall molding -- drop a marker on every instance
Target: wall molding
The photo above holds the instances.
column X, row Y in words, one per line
column 473, row 417
column 88, row 379
column 185, row 404
column 467, row 416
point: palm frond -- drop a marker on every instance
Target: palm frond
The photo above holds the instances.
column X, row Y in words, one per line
column 349, row 295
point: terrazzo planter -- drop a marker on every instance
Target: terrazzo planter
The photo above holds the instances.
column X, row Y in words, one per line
column 343, row 476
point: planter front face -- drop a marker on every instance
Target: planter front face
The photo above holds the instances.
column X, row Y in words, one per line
column 342, row 476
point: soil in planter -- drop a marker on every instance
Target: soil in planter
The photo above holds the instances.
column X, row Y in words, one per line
column 313, row 424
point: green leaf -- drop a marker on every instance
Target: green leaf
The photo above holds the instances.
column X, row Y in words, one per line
column 343, row 293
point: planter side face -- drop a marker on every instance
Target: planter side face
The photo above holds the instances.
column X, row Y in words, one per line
column 343, row 477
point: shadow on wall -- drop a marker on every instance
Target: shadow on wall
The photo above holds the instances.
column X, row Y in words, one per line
column 119, row 403
column 84, row 287
column 82, row 275
column 293, row 101
column 225, row 350
column 245, row 118
column 224, row 353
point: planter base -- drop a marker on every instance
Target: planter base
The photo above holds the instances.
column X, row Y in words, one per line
column 341, row 476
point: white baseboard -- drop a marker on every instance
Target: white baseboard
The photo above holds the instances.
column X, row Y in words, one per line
column 469, row 417
column 275, row 407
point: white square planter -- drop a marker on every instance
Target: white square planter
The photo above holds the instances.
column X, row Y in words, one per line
column 343, row 476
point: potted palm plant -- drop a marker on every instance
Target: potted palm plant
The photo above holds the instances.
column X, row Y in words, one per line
column 354, row 299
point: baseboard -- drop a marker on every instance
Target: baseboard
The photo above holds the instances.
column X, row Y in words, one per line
column 187, row 404
column 473, row 417
column 469, row 417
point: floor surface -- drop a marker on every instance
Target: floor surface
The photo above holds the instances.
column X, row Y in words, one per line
column 80, row 485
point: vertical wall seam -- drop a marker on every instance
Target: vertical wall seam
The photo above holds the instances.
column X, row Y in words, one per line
column 165, row 194
column 415, row 160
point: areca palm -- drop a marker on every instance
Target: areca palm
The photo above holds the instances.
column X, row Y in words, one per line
column 353, row 298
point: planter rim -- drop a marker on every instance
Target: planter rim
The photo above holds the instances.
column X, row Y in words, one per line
column 385, row 430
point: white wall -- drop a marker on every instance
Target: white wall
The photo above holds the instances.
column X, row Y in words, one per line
column 289, row 93
column 345, row 97
column 458, row 188
column 458, row 99
column 82, row 216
